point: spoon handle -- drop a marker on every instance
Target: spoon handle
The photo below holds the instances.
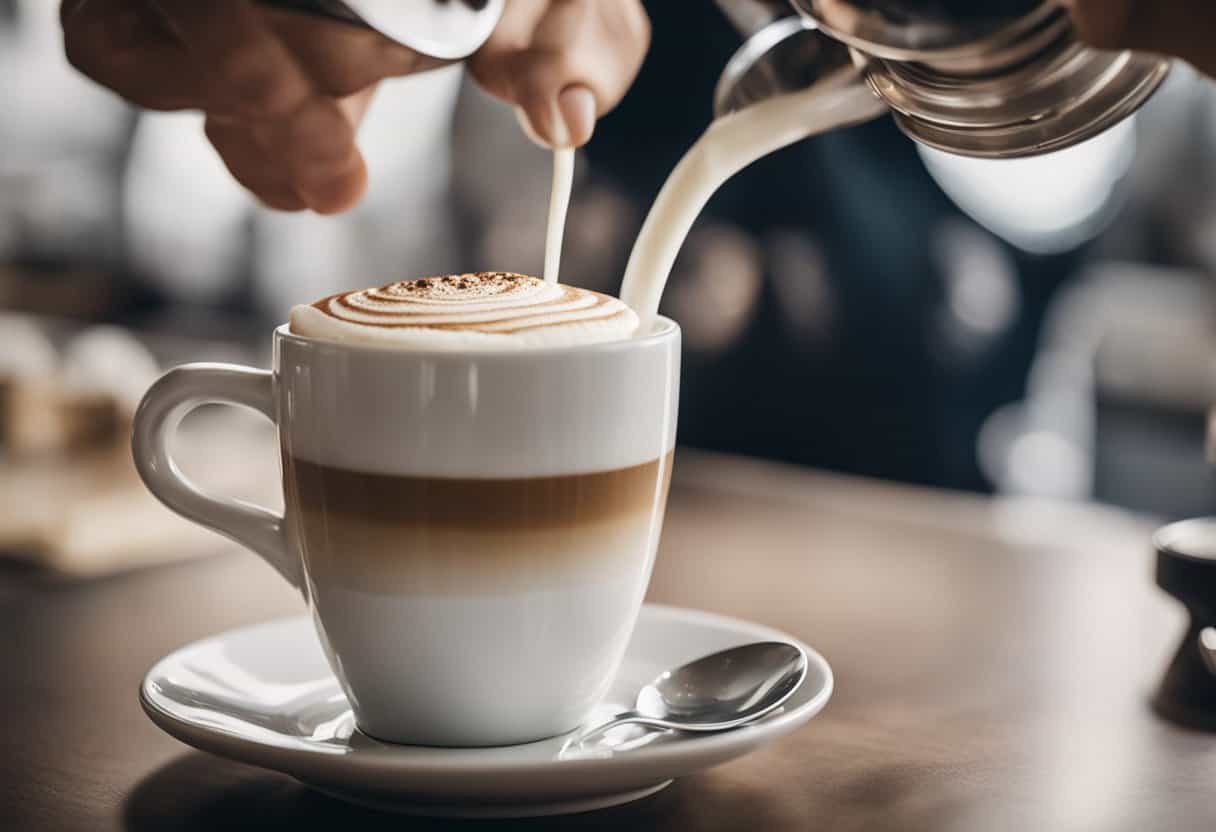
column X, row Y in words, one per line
column 625, row 718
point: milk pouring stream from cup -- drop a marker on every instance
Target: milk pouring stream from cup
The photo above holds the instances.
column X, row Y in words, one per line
column 1001, row 80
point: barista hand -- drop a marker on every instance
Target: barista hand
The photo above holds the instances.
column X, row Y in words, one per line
column 284, row 93
column 1183, row 28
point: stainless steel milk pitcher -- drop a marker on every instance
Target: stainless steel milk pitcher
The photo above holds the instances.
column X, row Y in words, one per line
column 996, row 79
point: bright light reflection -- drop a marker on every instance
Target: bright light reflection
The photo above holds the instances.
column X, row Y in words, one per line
column 1043, row 204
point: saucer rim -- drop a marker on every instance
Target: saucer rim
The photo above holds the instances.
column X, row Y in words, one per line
column 406, row 759
column 500, row 811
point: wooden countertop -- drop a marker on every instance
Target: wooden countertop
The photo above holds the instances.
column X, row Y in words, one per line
column 993, row 661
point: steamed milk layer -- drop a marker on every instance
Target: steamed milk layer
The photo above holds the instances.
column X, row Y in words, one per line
column 482, row 310
column 489, row 515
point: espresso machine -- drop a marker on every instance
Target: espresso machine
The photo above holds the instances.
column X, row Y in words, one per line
column 982, row 78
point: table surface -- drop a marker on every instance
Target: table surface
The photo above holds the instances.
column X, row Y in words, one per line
column 993, row 662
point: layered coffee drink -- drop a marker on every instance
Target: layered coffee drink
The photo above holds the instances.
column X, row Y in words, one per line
column 477, row 473
column 497, row 525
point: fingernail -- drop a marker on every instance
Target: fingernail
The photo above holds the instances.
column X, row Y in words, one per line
column 531, row 130
column 569, row 122
column 577, row 107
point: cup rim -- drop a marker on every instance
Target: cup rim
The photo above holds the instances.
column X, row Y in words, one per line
column 664, row 330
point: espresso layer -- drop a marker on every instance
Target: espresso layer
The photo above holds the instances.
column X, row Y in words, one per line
column 433, row 536
column 492, row 505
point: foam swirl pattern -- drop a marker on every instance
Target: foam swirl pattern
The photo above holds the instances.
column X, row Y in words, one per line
column 493, row 310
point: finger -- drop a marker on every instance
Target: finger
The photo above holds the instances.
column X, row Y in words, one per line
column 579, row 62
column 68, row 8
column 348, row 182
column 342, row 60
column 1101, row 23
column 253, row 77
column 322, row 159
column 252, row 167
column 248, row 71
column 122, row 45
column 1184, row 28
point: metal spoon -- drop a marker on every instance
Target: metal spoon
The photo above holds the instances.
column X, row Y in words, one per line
column 717, row 692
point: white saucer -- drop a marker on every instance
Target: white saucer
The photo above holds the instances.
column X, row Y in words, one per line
column 265, row 695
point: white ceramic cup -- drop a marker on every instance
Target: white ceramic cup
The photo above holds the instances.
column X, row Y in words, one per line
column 498, row 616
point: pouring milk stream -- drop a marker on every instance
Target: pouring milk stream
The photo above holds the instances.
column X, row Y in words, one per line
column 728, row 145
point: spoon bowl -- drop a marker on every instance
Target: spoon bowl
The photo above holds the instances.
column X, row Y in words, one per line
column 717, row 692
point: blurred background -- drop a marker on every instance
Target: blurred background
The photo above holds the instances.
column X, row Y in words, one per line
column 1041, row 328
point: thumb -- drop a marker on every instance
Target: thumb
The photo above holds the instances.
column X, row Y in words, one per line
column 568, row 120
column 564, row 64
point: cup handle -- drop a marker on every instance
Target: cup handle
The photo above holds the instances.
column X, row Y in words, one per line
column 161, row 411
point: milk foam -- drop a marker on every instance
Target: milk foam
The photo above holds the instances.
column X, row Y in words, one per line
column 487, row 310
